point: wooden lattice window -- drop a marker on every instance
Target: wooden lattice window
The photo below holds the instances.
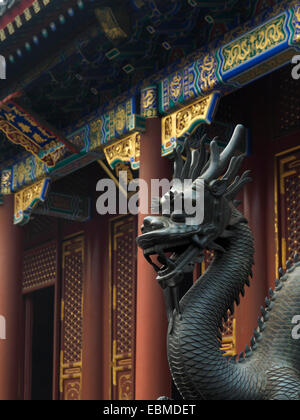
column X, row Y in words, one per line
column 72, row 319
column 123, row 232
column 287, row 205
column 286, row 103
column 39, row 267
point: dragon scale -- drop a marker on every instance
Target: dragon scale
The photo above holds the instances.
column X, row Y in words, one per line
column 271, row 367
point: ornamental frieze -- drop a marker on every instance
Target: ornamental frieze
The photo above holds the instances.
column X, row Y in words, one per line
column 206, row 67
column 296, row 24
column 26, row 172
column 115, row 124
column 121, row 121
column 248, row 46
column 255, row 43
column 149, row 102
column 265, row 67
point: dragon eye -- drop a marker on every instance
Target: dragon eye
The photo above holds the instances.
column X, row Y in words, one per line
column 178, row 217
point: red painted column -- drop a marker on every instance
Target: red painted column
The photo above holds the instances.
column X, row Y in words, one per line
column 11, row 251
column 152, row 371
column 92, row 351
column 254, row 204
column 255, row 200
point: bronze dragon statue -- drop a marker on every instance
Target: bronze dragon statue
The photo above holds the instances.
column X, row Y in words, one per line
column 269, row 369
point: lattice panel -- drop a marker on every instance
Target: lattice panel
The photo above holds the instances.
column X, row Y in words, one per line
column 123, row 287
column 39, row 267
column 72, row 318
column 287, row 103
column 287, row 205
column 229, row 327
column 292, row 188
column 124, row 294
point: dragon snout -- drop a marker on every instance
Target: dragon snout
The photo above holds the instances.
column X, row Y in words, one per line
column 152, row 223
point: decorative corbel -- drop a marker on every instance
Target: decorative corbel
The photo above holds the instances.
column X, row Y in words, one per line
column 184, row 121
column 27, row 199
column 126, row 150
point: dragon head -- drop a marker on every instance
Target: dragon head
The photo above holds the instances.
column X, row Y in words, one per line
column 175, row 237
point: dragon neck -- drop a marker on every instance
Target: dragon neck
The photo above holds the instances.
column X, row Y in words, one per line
column 194, row 344
column 221, row 285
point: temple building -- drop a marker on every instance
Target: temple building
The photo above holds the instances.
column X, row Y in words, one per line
column 93, row 88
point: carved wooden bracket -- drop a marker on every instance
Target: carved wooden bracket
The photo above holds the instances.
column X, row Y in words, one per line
column 27, row 199
column 184, row 121
column 126, row 150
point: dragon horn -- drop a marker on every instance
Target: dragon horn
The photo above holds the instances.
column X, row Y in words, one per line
column 218, row 163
